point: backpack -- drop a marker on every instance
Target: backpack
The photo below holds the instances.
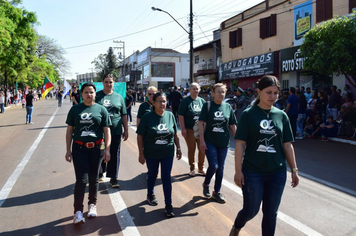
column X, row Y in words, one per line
column 196, row 125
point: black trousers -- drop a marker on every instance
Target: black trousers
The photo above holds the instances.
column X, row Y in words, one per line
column 112, row 167
column 86, row 163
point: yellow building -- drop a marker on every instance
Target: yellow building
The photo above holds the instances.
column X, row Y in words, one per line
column 265, row 39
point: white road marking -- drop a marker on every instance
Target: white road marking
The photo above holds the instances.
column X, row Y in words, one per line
column 5, row 191
column 287, row 219
column 123, row 216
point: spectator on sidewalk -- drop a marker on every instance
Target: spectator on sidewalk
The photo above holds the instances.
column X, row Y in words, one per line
column 60, row 97
column 348, row 123
column 250, row 97
column 313, row 129
column 328, row 129
column 320, row 106
column 292, row 109
column 308, row 94
column 334, row 102
column 88, row 128
column 2, row 102
column 301, row 115
column 29, row 107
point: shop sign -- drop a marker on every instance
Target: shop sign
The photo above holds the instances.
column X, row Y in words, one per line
column 291, row 60
column 303, row 21
column 248, row 67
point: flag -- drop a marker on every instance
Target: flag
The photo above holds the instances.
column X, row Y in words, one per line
column 67, row 87
column 47, row 86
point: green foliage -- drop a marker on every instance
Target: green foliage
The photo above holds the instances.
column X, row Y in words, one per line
column 21, row 43
column 111, row 60
column 330, row 47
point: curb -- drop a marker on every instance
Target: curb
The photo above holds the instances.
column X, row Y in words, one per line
column 343, row 141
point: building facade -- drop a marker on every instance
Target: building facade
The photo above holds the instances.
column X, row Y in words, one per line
column 265, row 39
column 162, row 68
column 206, row 61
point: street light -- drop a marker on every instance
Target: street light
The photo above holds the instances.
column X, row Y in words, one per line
column 190, row 36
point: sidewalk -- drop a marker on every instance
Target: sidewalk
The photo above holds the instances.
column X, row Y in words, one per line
column 341, row 140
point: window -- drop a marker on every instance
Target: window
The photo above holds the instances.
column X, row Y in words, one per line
column 235, row 38
column 162, row 69
column 196, row 59
column 352, row 5
column 324, row 10
column 268, row 26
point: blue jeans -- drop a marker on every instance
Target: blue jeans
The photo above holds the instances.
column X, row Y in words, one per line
column 216, row 158
column 300, row 124
column 129, row 116
column 86, row 163
column 29, row 111
column 166, row 168
column 2, row 107
column 333, row 112
column 267, row 188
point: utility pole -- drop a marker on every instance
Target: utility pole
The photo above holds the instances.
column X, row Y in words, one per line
column 191, row 43
column 123, row 47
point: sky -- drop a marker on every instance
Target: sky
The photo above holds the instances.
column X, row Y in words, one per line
column 87, row 28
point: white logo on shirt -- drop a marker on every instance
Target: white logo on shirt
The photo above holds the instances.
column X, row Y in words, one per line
column 196, row 107
column 266, row 126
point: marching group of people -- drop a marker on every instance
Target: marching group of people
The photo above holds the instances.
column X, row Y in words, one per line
column 263, row 145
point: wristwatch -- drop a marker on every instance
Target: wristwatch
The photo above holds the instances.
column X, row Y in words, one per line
column 295, row 170
column 178, row 149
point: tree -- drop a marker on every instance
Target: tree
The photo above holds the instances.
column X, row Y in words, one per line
column 111, row 60
column 49, row 49
column 100, row 66
column 330, row 47
column 20, row 50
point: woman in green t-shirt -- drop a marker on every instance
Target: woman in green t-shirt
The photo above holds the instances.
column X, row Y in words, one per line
column 215, row 141
column 146, row 106
column 156, row 137
column 188, row 113
column 88, row 127
column 263, row 145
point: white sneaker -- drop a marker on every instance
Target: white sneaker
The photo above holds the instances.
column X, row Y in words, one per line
column 192, row 173
column 92, row 211
column 78, row 218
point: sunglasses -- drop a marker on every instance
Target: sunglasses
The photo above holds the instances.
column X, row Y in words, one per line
column 149, row 94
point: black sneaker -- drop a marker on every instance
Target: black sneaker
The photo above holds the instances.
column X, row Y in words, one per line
column 206, row 191
column 219, row 197
column 114, row 183
column 152, row 200
column 169, row 211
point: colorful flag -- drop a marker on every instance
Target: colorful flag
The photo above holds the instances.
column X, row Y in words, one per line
column 67, row 87
column 47, row 86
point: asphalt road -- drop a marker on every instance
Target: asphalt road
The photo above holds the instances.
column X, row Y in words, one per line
column 36, row 196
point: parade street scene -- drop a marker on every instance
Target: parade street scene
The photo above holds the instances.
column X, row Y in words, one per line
column 179, row 118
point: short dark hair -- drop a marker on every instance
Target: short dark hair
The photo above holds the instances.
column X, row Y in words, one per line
column 292, row 89
column 159, row 94
column 87, row 85
column 108, row 76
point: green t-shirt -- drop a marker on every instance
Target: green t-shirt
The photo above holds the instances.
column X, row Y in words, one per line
column 158, row 134
column 264, row 139
column 88, row 122
column 116, row 107
column 218, row 120
column 190, row 109
column 144, row 108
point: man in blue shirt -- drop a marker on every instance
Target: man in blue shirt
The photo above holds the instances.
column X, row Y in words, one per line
column 292, row 109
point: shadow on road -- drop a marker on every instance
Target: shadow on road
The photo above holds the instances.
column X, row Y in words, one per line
column 38, row 197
